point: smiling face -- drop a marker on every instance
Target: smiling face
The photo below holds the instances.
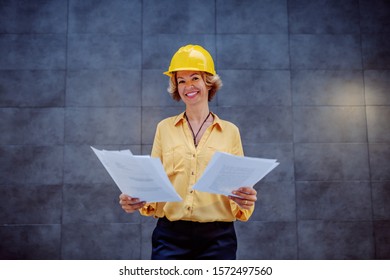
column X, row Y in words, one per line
column 192, row 88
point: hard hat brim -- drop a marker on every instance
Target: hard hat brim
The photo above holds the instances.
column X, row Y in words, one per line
column 169, row 72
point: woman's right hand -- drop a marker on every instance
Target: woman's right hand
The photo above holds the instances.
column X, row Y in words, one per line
column 130, row 204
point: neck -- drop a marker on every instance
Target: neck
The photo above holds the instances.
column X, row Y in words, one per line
column 197, row 114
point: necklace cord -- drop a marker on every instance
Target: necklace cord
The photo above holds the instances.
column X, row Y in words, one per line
column 193, row 134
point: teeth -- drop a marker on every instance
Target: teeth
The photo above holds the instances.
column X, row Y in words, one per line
column 190, row 94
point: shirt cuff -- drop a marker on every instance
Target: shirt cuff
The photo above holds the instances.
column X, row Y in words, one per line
column 240, row 213
column 148, row 210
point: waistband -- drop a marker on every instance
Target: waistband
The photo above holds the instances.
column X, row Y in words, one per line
column 190, row 224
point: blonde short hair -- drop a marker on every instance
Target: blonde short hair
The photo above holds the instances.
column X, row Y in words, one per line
column 212, row 81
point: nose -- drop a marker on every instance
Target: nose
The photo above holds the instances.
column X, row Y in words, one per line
column 189, row 84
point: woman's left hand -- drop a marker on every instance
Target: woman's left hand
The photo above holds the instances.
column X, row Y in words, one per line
column 247, row 197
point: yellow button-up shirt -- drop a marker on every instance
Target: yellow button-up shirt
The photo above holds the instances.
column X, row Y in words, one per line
column 184, row 164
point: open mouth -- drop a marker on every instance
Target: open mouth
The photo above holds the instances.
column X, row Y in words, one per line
column 191, row 94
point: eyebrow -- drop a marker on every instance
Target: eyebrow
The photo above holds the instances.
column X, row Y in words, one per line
column 179, row 77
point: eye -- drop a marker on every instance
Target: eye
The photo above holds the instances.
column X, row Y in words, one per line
column 180, row 81
column 195, row 78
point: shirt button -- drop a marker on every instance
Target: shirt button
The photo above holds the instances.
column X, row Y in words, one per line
column 188, row 208
column 193, row 155
column 191, row 191
column 192, row 173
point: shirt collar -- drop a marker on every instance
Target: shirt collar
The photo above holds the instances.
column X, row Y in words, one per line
column 217, row 121
column 179, row 118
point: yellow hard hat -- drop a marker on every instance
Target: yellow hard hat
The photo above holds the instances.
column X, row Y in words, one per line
column 191, row 57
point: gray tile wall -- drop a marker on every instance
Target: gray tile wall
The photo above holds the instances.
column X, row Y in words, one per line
column 307, row 82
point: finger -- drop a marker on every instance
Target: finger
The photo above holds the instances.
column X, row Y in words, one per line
column 248, row 190
column 124, row 197
column 248, row 193
column 130, row 208
column 132, row 201
column 242, row 202
column 245, row 196
column 243, row 192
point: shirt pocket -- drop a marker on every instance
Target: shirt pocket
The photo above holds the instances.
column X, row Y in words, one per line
column 208, row 155
column 174, row 160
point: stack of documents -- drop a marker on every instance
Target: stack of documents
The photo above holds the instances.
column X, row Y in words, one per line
column 226, row 172
column 144, row 177
column 141, row 177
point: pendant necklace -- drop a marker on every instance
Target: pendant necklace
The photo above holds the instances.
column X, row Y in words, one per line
column 193, row 134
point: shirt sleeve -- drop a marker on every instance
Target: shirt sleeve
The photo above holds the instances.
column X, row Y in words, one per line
column 237, row 145
column 150, row 208
column 238, row 212
column 241, row 214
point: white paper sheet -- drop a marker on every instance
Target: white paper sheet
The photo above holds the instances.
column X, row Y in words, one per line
column 226, row 172
column 138, row 176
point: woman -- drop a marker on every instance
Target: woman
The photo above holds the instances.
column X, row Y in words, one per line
column 201, row 225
